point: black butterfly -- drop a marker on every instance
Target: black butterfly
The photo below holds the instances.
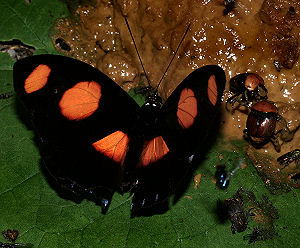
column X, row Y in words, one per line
column 95, row 139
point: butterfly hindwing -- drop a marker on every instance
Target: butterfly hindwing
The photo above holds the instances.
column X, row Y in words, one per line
column 81, row 117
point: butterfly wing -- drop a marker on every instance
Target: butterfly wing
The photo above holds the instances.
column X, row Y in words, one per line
column 192, row 110
column 81, row 118
column 185, row 123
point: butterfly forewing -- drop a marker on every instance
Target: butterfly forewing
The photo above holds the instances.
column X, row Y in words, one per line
column 69, row 79
column 191, row 110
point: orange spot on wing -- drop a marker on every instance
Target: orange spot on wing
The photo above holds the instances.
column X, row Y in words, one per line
column 212, row 90
column 187, row 108
column 81, row 100
column 113, row 146
column 154, row 150
column 37, row 79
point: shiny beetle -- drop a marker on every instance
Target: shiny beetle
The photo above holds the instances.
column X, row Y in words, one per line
column 222, row 176
column 287, row 158
column 264, row 124
column 246, row 87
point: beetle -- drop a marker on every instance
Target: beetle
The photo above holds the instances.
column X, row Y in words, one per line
column 264, row 124
column 289, row 157
column 246, row 87
column 222, row 175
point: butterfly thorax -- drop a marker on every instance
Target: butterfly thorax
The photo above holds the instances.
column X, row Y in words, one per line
column 154, row 100
column 148, row 116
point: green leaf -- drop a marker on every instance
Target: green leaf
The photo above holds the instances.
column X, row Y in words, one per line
column 140, row 100
column 30, row 205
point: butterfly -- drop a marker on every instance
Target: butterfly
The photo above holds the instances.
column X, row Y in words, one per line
column 95, row 140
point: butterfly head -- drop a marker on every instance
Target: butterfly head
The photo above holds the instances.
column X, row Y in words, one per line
column 153, row 101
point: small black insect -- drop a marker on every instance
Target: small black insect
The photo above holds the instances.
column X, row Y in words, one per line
column 6, row 95
column 261, row 126
column 247, row 87
column 236, row 215
column 222, row 176
column 62, row 44
column 229, row 6
column 287, row 158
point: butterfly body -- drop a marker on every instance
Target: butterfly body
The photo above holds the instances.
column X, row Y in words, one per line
column 95, row 140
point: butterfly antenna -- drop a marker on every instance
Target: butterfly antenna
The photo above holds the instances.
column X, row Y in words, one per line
column 186, row 31
column 149, row 82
